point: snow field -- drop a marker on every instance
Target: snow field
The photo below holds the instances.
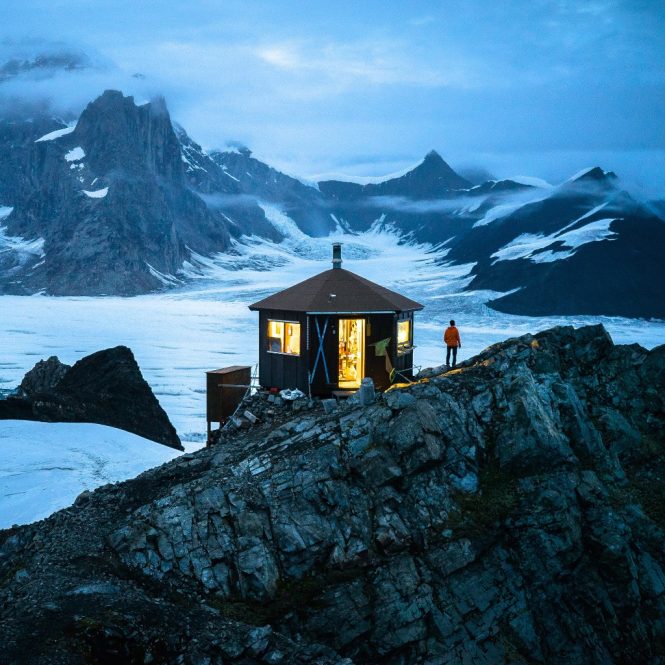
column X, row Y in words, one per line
column 178, row 335
column 45, row 466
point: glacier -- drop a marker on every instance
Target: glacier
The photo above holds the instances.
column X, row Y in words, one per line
column 45, row 466
column 178, row 335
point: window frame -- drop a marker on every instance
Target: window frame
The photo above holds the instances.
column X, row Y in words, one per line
column 404, row 347
column 283, row 337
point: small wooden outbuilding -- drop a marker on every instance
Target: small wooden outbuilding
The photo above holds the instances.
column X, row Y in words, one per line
column 332, row 330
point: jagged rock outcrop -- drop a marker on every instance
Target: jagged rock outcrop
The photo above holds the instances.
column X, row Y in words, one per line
column 106, row 387
column 305, row 204
column 106, row 203
column 43, row 377
column 507, row 511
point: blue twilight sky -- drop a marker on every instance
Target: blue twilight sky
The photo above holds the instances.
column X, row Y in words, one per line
column 535, row 87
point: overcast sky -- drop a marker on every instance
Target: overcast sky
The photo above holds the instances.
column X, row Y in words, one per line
column 537, row 87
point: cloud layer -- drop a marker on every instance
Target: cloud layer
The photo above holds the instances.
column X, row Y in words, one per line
column 371, row 87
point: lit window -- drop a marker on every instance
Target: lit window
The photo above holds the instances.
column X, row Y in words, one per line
column 284, row 337
column 403, row 336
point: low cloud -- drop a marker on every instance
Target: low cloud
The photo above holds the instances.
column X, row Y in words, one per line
column 43, row 76
column 416, row 207
column 345, row 65
column 465, row 205
column 226, row 201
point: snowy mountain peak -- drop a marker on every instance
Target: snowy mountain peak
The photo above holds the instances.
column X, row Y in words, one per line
column 594, row 174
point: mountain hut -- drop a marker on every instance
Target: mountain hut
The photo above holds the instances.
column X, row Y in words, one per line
column 327, row 333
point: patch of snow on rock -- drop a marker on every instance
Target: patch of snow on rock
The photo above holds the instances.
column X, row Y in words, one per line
column 531, row 181
column 502, row 210
column 512, row 203
column 580, row 173
column 56, row 134
column 364, row 180
column 524, row 246
column 593, row 232
column 75, row 154
column 97, row 194
column 164, row 278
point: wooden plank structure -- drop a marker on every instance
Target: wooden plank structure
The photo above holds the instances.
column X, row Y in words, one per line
column 225, row 389
column 328, row 332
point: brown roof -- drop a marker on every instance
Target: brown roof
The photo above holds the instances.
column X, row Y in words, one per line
column 352, row 294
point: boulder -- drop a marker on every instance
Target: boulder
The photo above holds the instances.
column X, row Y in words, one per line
column 107, row 387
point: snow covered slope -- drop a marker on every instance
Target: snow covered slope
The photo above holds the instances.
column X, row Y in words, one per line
column 125, row 203
column 45, row 466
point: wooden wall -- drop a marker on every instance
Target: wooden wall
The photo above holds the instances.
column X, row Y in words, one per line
column 280, row 370
column 286, row 371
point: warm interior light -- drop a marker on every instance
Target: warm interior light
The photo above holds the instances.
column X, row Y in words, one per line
column 351, row 353
column 403, row 336
column 292, row 339
column 284, row 337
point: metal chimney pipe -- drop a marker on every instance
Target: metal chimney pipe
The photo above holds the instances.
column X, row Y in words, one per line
column 337, row 255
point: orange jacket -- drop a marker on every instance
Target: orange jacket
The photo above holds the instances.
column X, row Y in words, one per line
column 451, row 337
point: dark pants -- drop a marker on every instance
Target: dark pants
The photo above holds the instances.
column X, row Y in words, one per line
column 454, row 350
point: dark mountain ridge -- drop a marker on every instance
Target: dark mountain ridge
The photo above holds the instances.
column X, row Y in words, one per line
column 123, row 201
column 430, row 179
column 112, row 200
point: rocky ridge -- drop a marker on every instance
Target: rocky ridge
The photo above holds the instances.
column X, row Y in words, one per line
column 583, row 247
column 506, row 511
column 125, row 202
column 106, row 387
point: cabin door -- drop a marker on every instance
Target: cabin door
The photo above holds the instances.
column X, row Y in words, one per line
column 351, row 353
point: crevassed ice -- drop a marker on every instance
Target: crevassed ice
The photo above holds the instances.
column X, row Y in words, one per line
column 24, row 248
column 160, row 327
column 20, row 245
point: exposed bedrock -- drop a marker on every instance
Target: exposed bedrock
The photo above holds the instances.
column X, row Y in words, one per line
column 106, row 387
column 508, row 511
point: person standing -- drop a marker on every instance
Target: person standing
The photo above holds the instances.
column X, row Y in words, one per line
column 452, row 341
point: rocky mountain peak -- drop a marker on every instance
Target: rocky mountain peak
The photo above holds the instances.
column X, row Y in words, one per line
column 117, row 135
column 44, row 64
column 429, row 179
column 433, row 157
column 596, row 174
